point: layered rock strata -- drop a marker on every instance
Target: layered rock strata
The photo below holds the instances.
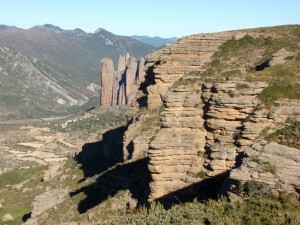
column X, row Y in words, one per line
column 205, row 129
column 198, row 128
column 263, row 119
column 187, row 55
column 165, row 67
column 118, row 87
column 228, row 105
column 175, row 149
column 271, row 163
column 180, row 137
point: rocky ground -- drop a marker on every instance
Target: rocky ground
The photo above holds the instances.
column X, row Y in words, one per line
column 26, row 146
column 38, row 158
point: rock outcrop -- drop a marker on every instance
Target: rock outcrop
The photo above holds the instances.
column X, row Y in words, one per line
column 175, row 148
column 7, row 217
column 192, row 129
column 188, row 54
column 228, row 105
column 271, row 163
column 48, row 200
column 119, row 87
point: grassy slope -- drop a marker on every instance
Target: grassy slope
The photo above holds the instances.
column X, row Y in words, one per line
column 14, row 201
column 284, row 210
column 237, row 59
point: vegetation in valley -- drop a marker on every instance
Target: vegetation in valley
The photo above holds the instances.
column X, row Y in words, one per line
column 89, row 123
column 18, row 188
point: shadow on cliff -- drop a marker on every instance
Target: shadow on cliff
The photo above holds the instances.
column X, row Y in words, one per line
column 104, row 158
column 149, row 80
column 97, row 157
column 209, row 188
column 133, row 176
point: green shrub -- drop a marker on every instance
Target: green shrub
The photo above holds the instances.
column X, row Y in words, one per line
column 201, row 174
column 266, row 166
column 231, row 94
column 256, row 159
column 289, row 135
column 255, row 189
column 240, row 86
column 249, row 212
column 279, row 89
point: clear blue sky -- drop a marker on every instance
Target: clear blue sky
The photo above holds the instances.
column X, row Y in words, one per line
column 165, row 18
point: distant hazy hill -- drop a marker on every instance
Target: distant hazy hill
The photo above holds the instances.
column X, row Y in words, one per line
column 69, row 58
column 155, row 41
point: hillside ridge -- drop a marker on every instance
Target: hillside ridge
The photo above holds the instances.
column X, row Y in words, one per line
column 71, row 60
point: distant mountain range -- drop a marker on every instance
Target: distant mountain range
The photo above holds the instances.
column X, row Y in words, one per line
column 48, row 69
column 155, row 41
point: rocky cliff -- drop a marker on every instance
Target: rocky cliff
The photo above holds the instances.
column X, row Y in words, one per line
column 118, row 87
column 206, row 105
column 189, row 54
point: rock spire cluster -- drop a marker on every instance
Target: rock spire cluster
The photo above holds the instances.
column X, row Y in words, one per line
column 118, row 86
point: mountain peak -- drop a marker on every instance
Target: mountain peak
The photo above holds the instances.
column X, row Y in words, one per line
column 155, row 41
column 100, row 30
column 49, row 27
column 5, row 27
column 78, row 30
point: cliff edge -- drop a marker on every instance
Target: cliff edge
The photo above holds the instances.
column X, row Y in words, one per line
column 209, row 101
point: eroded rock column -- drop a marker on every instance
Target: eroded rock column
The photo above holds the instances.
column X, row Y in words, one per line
column 228, row 107
column 107, row 82
column 176, row 151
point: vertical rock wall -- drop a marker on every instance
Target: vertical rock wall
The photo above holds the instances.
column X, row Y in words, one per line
column 175, row 151
column 107, row 81
column 228, row 105
column 119, row 87
column 188, row 54
column 176, row 147
column 196, row 129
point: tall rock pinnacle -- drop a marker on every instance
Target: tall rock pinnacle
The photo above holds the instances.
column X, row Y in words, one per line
column 119, row 87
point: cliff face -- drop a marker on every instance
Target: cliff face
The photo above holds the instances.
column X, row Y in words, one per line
column 189, row 54
column 119, row 87
column 202, row 128
column 175, row 149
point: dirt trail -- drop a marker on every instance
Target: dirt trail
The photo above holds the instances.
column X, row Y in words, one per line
column 25, row 121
